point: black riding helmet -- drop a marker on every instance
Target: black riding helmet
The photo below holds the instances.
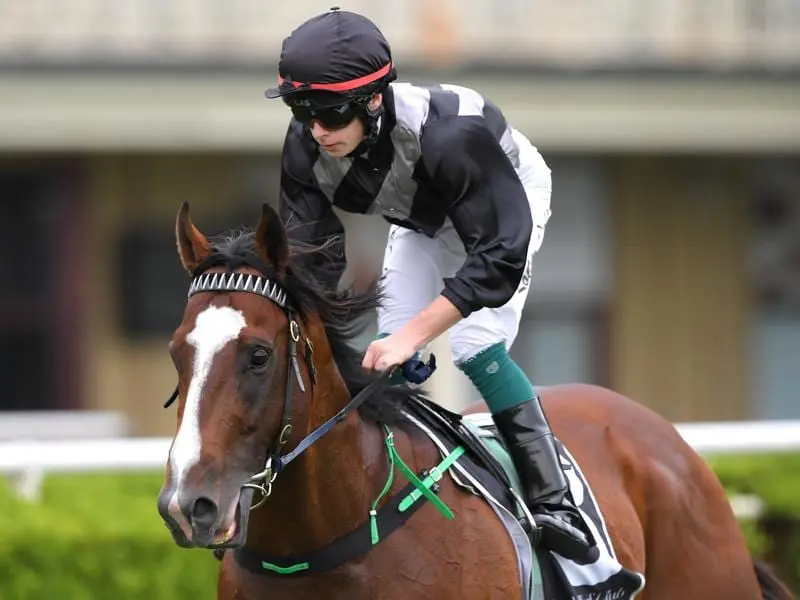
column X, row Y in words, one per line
column 330, row 67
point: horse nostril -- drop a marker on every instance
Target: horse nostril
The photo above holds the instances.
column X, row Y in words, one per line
column 204, row 512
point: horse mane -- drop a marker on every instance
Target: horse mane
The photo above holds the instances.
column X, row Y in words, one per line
column 341, row 313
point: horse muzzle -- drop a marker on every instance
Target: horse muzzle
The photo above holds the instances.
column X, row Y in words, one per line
column 196, row 520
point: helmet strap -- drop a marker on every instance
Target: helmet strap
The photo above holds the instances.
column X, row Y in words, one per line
column 372, row 120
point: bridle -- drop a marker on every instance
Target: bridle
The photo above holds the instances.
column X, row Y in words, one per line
column 276, row 461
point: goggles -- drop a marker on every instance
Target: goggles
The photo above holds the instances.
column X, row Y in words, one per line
column 331, row 118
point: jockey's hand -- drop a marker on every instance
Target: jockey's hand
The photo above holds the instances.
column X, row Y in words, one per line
column 391, row 351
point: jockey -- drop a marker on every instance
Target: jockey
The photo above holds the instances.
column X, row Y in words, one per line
column 467, row 198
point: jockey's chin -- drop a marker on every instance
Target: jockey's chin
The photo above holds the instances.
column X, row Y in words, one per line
column 336, row 150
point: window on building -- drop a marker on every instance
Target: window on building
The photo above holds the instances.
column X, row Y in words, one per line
column 41, row 269
column 775, row 271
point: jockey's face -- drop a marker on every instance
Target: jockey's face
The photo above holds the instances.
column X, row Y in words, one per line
column 343, row 140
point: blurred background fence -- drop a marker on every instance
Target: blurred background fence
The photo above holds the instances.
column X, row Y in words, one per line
column 670, row 269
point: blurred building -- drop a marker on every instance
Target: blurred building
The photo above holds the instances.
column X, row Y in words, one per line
column 670, row 269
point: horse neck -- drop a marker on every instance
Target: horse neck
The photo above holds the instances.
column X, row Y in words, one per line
column 328, row 490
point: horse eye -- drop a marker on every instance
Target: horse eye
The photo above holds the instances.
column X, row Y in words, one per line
column 259, row 357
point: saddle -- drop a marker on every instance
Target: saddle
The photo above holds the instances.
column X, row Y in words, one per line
column 452, row 428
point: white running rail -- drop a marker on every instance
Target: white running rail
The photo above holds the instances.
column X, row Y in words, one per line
column 26, row 462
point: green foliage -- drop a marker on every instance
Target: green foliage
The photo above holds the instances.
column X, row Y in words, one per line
column 93, row 537
column 757, row 540
column 775, row 478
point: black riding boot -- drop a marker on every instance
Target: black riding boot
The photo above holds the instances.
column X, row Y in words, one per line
column 530, row 442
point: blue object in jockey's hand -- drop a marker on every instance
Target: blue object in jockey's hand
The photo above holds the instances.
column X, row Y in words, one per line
column 417, row 371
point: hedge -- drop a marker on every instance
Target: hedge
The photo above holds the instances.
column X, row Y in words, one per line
column 94, row 537
column 97, row 537
column 775, row 479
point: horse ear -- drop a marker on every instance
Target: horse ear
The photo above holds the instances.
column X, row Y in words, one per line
column 193, row 247
column 271, row 241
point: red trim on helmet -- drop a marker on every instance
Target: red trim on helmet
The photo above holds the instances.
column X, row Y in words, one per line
column 342, row 86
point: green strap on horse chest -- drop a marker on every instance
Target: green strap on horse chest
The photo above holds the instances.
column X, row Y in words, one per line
column 423, row 488
column 434, row 475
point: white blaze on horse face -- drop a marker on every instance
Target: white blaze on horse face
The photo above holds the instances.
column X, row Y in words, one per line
column 213, row 329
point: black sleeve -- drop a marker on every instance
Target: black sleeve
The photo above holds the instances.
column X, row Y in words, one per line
column 306, row 211
column 488, row 206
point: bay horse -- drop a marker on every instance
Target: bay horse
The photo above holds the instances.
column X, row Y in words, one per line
column 268, row 375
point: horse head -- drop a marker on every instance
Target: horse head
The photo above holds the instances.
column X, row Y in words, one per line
column 241, row 386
